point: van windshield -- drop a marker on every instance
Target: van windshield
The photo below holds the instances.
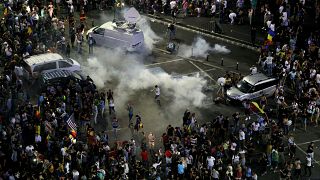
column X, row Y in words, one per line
column 69, row 60
column 244, row 86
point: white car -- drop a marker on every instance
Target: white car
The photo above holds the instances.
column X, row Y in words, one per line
column 48, row 62
column 252, row 87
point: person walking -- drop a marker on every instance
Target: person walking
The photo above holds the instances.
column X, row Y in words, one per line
column 138, row 124
column 130, row 112
column 157, row 94
column 151, row 141
column 111, row 106
column 308, row 166
column 115, row 126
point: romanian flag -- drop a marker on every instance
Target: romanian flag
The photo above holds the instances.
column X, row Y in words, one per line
column 254, row 106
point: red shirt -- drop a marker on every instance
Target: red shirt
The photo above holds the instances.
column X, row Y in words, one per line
column 168, row 154
column 144, row 155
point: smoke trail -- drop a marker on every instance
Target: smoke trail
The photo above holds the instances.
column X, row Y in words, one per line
column 200, row 48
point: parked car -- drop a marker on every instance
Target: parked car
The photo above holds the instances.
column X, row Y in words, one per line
column 252, row 87
column 63, row 78
column 42, row 63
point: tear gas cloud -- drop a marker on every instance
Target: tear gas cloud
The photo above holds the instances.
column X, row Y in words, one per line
column 200, row 48
column 132, row 76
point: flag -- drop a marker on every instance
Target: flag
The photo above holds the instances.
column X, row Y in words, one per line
column 48, row 127
column 254, row 106
column 71, row 122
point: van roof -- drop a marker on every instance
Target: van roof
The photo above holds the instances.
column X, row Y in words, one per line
column 122, row 28
column 255, row 78
column 47, row 57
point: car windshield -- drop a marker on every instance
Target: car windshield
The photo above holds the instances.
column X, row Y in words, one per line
column 69, row 60
column 244, row 86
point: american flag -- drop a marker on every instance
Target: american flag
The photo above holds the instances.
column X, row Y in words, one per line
column 71, row 123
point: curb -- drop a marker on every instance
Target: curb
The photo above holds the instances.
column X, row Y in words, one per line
column 224, row 38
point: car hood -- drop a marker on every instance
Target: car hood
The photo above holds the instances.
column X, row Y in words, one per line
column 90, row 30
column 234, row 92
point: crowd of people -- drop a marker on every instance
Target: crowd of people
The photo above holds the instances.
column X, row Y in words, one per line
column 36, row 141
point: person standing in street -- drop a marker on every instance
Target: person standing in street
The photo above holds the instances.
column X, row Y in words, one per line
column 130, row 112
column 79, row 42
column 115, row 126
column 90, row 43
column 308, row 166
column 157, row 94
column 151, row 141
column 310, row 151
column 111, row 106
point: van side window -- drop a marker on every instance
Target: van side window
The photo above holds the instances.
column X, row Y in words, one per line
column 99, row 31
column 45, row 67
column 63, row 64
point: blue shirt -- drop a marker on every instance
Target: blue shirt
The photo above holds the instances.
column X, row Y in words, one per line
column 180, row 168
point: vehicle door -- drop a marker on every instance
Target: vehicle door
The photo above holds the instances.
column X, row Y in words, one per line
column 270, row 88
column 257, row 91
column 98, row 36
column 63, row 65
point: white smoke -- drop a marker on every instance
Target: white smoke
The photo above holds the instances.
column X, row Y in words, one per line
column 132, row 76
column 150, row 37
column 200, row 48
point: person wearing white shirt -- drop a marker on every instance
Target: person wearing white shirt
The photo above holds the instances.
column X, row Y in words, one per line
column 173, row 4
column 253, row 70
column 232, row 16
column 29, row 150
column 213, row 9
column 269, row 64
column 318, row 79
column 308, row 165
column 157, row 94
column 242, row 138
column 75, row 174
column 210, row 162
column 37, row 138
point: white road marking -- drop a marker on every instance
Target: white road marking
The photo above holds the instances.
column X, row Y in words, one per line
column 204, row 63
column 308, row 142
column 201, row 70
column 164, row 62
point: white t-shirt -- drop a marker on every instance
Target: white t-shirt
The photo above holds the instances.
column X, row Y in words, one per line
column 210, row 161
column 269, row 60
column 232, row 15
column 318, row 78
column 157, row 91
column 254, row 70
column 256, row 126
column 29, row 150
column 309, row 161
column 242, row 136
column 38, row 138
column 173, row 4
column 233, row 146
